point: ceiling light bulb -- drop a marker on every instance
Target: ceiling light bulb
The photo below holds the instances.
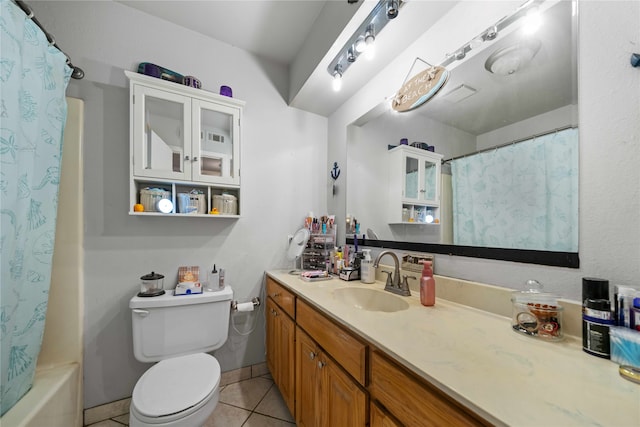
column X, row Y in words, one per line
column 532, row 21
column 337, row 78
column 475, row 43
column 369, row 36
column 392, row 9
column 360, row 45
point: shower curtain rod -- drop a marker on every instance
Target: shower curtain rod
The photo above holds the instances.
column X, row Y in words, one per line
column 77, row 72
column 511, row 143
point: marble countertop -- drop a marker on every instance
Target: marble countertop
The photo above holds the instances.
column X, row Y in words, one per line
column 476, row 358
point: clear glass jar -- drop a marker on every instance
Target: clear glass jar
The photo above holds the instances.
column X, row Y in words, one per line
column 537, row 314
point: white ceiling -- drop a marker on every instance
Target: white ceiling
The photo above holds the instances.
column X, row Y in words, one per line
column 272, row 29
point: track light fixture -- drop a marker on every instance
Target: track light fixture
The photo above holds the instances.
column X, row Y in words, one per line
column 392, row 9
column 337, row 78
column 529, row 11
column 492, row 33
column 369, row 36
column 351, row 56
column 363, row 39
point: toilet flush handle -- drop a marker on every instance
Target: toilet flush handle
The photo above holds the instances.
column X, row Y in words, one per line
column 141, row 313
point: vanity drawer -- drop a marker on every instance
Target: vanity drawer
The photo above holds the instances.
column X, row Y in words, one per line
column 285, row 299
column 347, row 350
column 411, row 400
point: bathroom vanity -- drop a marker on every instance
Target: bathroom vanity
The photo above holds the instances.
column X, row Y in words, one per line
column 390, row 364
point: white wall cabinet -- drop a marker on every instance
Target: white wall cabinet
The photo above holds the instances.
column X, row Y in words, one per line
column 414, row 186
column 184, row 141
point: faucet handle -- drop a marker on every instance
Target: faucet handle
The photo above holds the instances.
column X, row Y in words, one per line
column 405, row 282
column 389, row 281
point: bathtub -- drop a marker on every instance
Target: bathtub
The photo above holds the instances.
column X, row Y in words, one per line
column 55, row 399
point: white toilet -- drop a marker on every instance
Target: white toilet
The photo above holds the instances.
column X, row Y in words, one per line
column 182, row 389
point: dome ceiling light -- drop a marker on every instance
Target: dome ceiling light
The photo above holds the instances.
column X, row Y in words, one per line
column 512, row 59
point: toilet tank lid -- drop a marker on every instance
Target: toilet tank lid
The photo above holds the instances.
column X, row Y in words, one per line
column 169, row 300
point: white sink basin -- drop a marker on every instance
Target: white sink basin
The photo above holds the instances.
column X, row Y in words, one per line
column 370, row 299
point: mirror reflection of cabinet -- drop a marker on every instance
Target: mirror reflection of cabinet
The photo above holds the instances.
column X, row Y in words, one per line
column 183, row 136
column 414, row 186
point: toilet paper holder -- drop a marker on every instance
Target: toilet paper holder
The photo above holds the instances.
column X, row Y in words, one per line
column 255, row 303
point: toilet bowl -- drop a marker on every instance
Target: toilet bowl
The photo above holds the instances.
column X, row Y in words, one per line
column 177, row 392
column 182, row 389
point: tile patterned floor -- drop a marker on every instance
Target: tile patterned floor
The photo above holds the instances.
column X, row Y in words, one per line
column 254, row 402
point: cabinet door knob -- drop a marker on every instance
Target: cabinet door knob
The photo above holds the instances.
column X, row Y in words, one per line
column 195, row 159
column 321, row 364
column 275, row 313
column 186, row 157
column 275, row 294
column 312, row 355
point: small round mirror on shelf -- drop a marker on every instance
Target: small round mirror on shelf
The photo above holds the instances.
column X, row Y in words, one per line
column 296, row 246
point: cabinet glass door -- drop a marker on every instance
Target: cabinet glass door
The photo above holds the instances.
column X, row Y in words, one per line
column 411, row 178
column 161, row 139
column 429, row 181
column 216, row 150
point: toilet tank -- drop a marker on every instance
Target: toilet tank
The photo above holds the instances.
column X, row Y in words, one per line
column 168, row 326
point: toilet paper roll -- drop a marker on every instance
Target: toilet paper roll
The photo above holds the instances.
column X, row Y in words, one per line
column 245, row 306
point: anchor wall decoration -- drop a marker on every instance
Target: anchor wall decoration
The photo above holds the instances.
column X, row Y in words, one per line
column 335, row 173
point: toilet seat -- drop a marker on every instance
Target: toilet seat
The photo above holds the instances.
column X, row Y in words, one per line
column 174, row 388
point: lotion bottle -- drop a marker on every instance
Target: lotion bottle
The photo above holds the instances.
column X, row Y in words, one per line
column 367, row 272
column 427, row 285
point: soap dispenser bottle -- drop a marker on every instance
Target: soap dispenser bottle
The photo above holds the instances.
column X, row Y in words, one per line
column 367, row 271
column 427, row 285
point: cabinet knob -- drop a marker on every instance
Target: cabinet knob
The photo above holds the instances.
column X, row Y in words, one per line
column 312, row 355
column 186, row 157
column 275, row 313
column 195, row 159
column 321, row 364
column 275, row 295
column 423, row 191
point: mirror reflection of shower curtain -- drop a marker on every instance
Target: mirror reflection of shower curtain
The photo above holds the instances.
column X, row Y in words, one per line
column 522, row 196
column 33, row 80
column 446, row 206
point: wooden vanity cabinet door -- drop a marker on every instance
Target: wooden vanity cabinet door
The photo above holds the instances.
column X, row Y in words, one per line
column 343, row 402
column 281, row 351
column 412, row 401
column 307, row 381
column 326, row 396
column 381, row 418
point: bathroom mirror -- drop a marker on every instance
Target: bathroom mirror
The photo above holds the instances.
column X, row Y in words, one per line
column 514, row 88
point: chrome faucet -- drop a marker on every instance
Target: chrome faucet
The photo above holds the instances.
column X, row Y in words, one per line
column 393, row 279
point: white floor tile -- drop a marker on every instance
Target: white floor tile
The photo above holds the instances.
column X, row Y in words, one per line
column 273, row 405
column 257, row 420
column 227, row 416
column 246, row 394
